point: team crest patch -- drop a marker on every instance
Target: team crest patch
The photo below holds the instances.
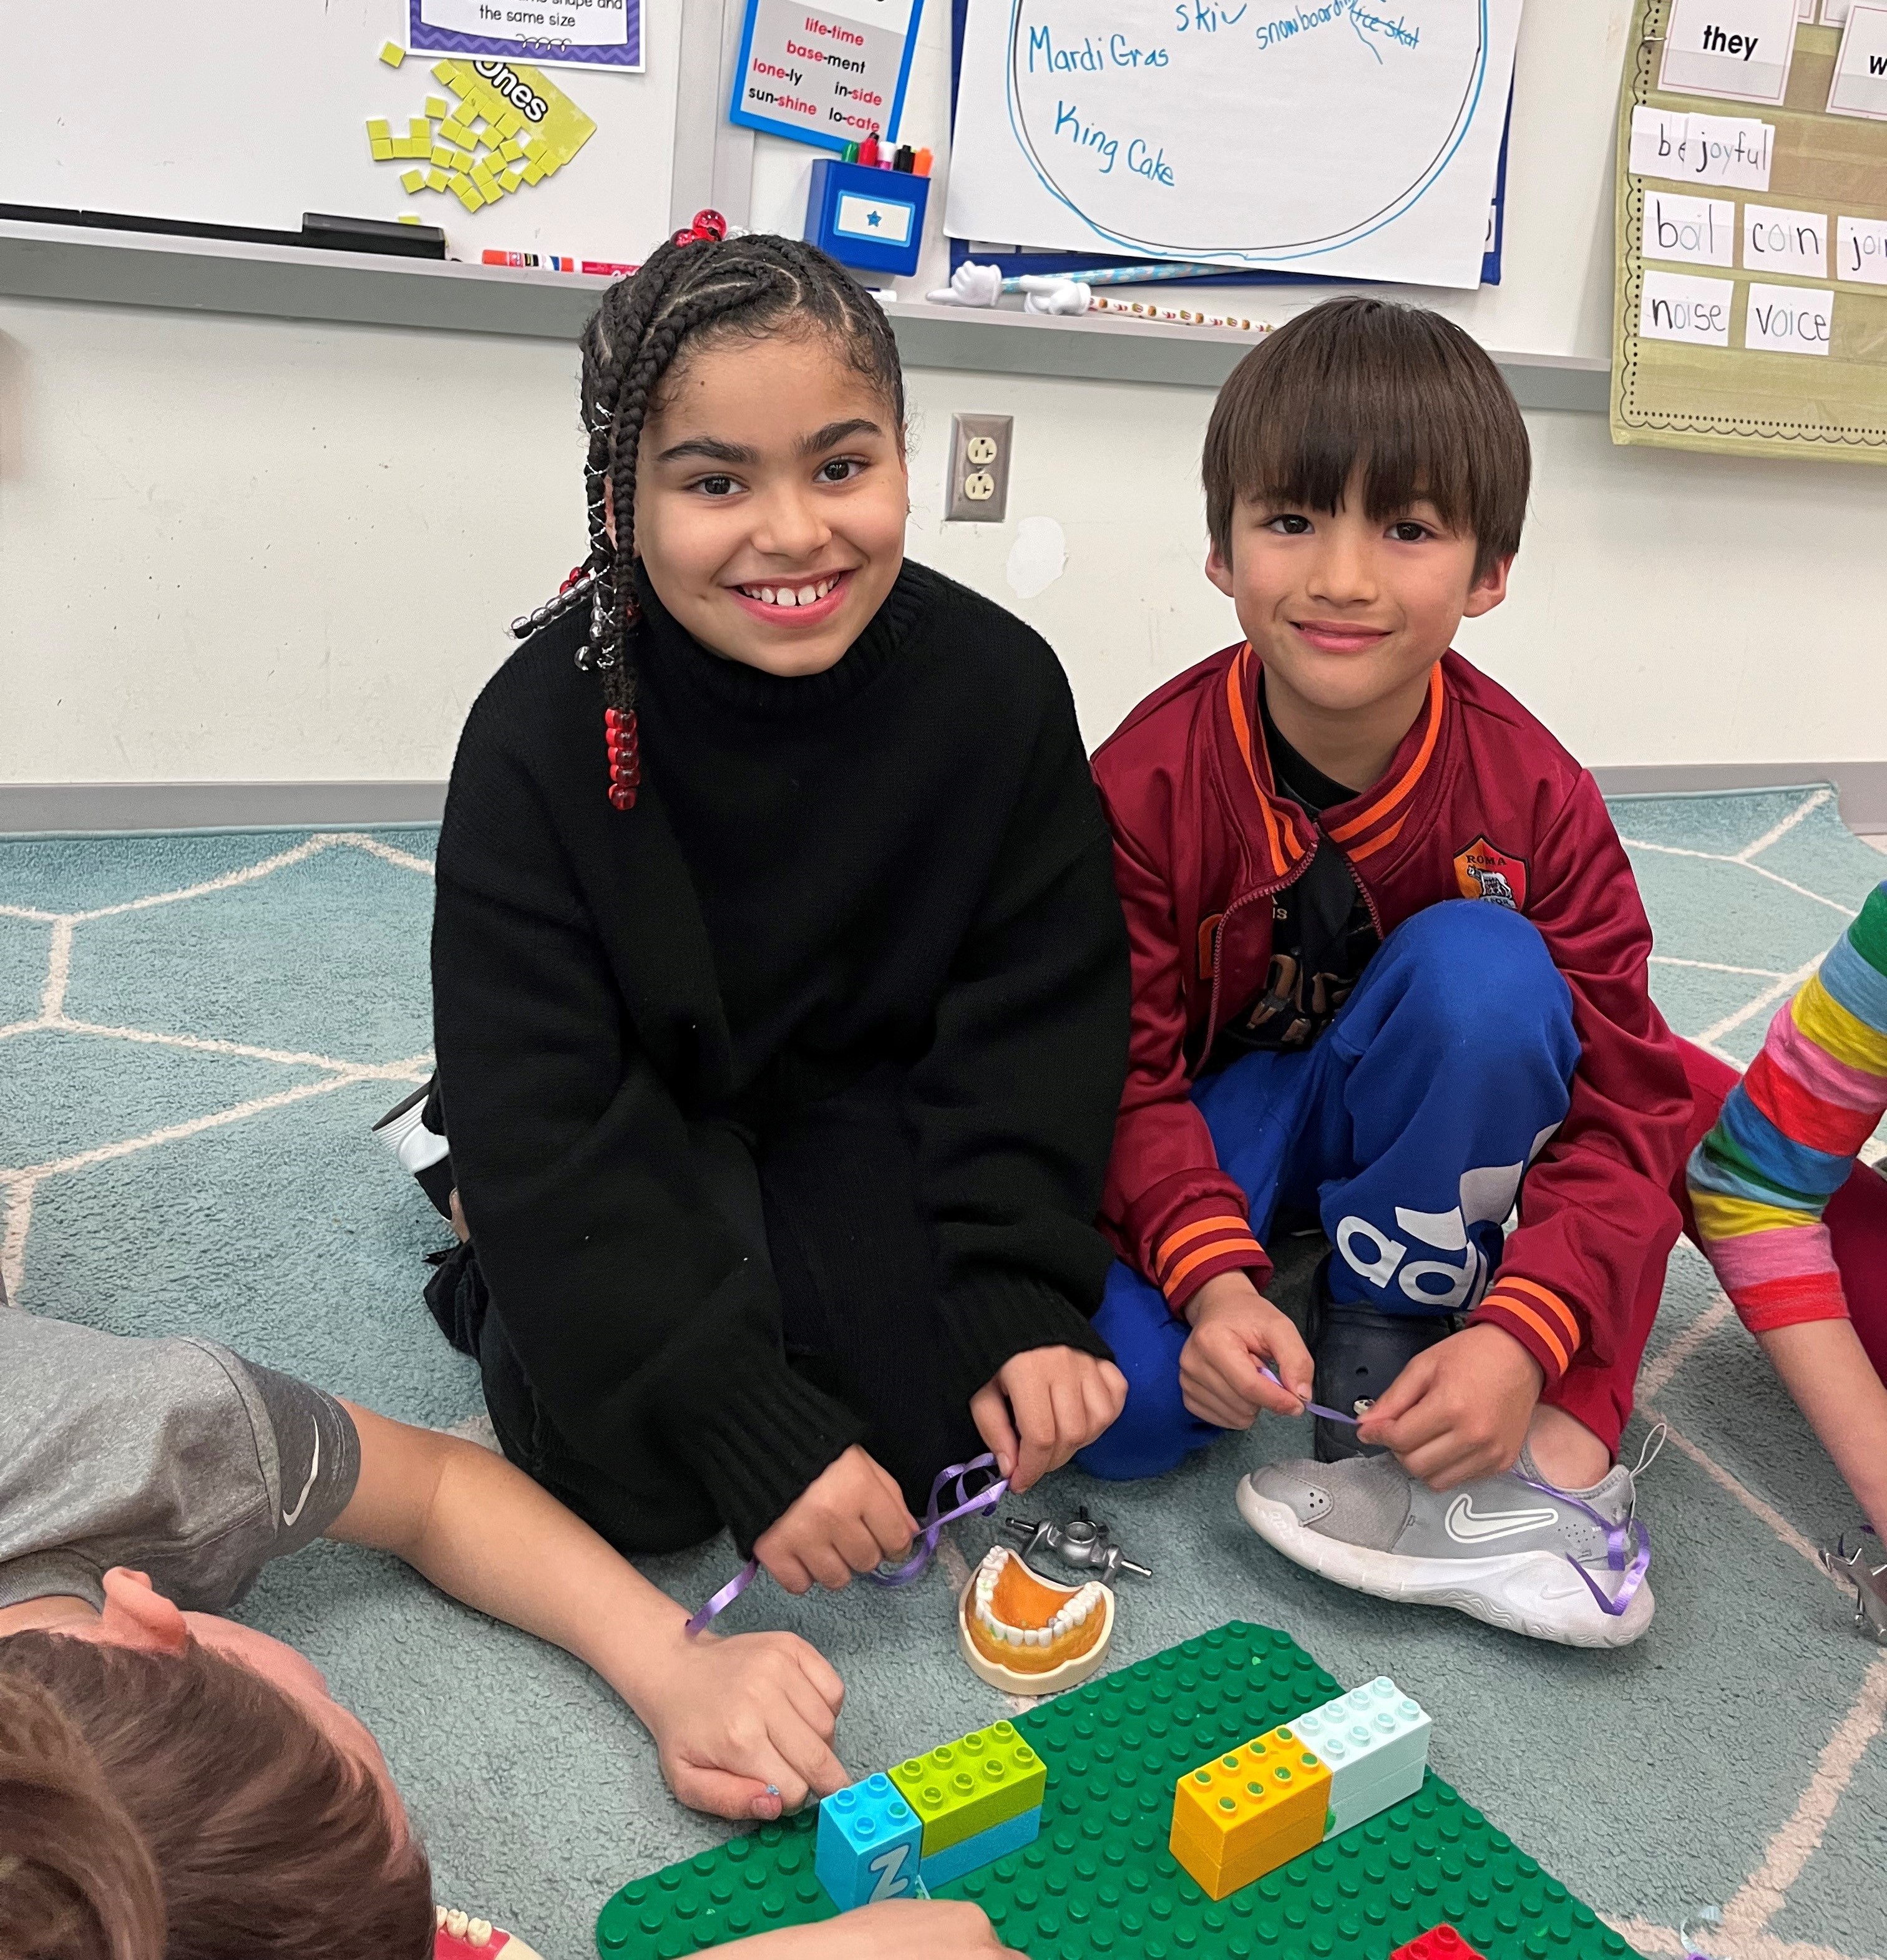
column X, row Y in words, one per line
column 1482, row 871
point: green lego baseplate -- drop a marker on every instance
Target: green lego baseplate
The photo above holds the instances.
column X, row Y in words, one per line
column 1100, row 1883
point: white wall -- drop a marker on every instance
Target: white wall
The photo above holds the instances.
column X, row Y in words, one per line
column 236, row 550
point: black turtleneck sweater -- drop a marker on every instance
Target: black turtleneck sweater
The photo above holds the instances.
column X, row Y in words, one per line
column 900, row 860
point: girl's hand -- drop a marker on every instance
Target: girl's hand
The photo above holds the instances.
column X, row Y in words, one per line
column 1042, row 1406
column 1235, row 1328
column 896, row 1930
column 744, row 1725
column 851, row 1518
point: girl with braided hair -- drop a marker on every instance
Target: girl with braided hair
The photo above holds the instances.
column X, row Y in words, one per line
column 780, row 982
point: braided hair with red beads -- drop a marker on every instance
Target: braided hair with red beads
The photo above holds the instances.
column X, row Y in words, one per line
column 698, row 287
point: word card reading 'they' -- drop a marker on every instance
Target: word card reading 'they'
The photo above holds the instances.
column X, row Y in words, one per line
column 1737, row 48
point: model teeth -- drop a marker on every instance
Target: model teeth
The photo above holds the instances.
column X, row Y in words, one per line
column 1067, row 1618
column 790, row 595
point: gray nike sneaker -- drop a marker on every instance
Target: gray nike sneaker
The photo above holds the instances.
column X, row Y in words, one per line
column 1508, row 1549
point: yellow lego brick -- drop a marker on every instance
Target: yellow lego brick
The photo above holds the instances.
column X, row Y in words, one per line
column 411, row 181
column 454, row 131
column 382, row 149
column 392, row 53
column 511, row 150
column 1246, row 1812
column 436, row 107
column 972, row 1786
column 436, row 179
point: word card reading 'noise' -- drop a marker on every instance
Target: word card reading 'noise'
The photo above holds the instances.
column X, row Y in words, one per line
column 1701, row 149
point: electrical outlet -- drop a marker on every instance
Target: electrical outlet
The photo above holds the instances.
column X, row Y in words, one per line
column 978, row 491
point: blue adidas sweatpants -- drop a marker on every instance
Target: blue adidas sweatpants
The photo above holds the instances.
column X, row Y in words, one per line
column 1405, row 1128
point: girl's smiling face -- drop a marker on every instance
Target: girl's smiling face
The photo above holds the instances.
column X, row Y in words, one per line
column 771, row 495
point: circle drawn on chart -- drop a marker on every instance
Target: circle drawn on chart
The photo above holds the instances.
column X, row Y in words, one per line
column 1142, row 154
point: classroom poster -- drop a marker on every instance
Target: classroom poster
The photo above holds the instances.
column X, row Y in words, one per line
column 1227, row 131
column 557, row 34
column 1750, row 302
column 831, row 72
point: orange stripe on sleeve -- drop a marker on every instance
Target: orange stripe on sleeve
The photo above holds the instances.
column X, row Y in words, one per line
column 1381, row 842
column 1548, row 1299
column 1248, row 1246
column 1169, row 1246
column 1511, row 1303
column 1357, row 825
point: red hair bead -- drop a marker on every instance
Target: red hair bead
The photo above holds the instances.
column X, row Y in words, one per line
column 623, row 740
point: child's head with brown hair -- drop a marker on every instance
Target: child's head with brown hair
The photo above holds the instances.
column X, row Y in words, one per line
column 174, row 1805
column 744, row 405
column 1365, row 471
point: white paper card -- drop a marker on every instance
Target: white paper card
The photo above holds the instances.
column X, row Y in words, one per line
column 1700, row 230
column 1859, row 87
column 1676, row 306
column 1776, row 240
column 1788, row 319
column 1726, row 150
column 1228, row 133
column 1834, row 13
column 583, row 23
column 1860, row 250
column 1739, row 48
column 881, row 219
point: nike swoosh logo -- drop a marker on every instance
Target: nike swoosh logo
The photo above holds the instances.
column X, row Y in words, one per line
column 314, row 1470
column 1466, row 1525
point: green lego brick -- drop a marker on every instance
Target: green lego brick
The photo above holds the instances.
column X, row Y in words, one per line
column 1100, row 1883
column 971, row 1785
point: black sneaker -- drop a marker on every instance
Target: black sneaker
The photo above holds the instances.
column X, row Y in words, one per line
column 407, row 1129
column 1358, row 1351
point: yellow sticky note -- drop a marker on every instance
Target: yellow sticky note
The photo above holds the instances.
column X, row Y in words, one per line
column 445, row 73
column 409, row 217
column 378, row 129
column 509, row 123
column 392, row 54
column 467, row 193
column 436, row 107
column 419, row 129
column 456, row 130
column 511, row 150
column 436, row 179
column 383, row 150
column 442, row 154
column 462, row 159
column 534, row 172
column 411, row 180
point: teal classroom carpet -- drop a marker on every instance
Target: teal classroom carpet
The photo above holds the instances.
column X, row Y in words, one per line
column 196, row 1030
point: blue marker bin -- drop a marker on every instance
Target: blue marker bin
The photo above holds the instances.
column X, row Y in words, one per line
column 869, row 218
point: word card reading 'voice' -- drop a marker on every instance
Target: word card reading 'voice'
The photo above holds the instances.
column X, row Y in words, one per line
column 1790, row 320
column 1701, row 149
column 1700, row 230
column 1676, row 306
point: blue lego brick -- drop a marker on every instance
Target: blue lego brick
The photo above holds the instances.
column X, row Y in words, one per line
column 870, row 1841
column 1357, row 1802
column 1373, row 1731
column 984, row 1849
column 871, row 219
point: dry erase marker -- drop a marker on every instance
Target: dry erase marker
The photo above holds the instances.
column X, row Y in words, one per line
column 849, row 155
column 920, row 163
column 902, row 160
column 868, row 149
column 608, row 268
column 553, row 261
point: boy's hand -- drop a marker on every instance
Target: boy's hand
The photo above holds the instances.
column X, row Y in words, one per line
column 1235, row 1328
column 1042, row 1406
column 1460, row 1409
column 851, row 1518
column 745, row 1725
column 895, row 1929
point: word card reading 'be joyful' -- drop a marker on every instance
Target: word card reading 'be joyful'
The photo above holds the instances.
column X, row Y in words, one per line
column 1701, row 149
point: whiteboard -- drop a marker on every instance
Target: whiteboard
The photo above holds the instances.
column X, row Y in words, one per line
column 1233, row 131
column 252, row 112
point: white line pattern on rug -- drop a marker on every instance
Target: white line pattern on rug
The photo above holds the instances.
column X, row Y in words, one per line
column 19, row 1183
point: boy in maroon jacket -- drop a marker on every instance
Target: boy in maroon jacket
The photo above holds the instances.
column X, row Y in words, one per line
column 1389, row 976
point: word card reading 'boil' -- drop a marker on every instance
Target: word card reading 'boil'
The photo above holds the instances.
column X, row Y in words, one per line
column 1700, row 230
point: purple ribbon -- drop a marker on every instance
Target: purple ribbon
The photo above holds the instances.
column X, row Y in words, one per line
column 965, row 1504
column 1632, row 1529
